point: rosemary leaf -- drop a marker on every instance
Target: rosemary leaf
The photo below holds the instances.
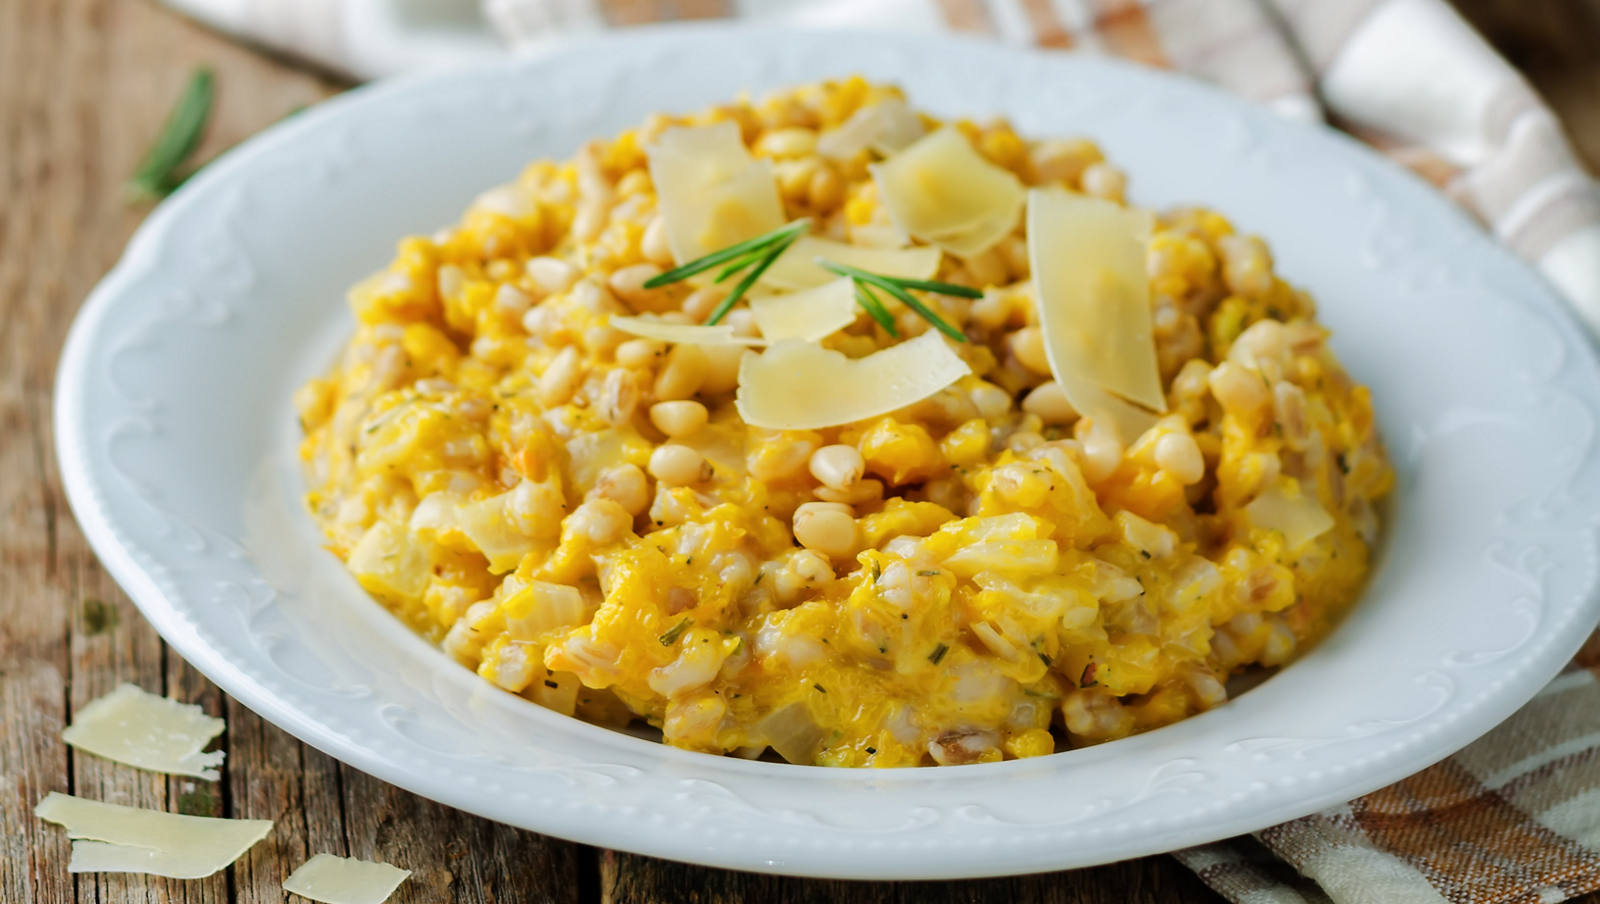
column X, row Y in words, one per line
column 738, row 265
column 892, row 286
column 875, row 309
column 158, row 174
column 943, row 288
column 774, row 252
column 701, row 264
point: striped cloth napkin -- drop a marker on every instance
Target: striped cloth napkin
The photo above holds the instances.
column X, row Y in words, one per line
column 1515, row 817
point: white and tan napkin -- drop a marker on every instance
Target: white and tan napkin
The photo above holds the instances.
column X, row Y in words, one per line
column 1515, row 817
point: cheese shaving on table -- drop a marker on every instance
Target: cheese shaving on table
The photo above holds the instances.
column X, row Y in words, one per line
column 802, row 386
column 797, row 267
column 681, row 333
column 345, row 880
column 1093, row 300
column 113, row 838
column 712, row 192
column 141, row 729
column 809, row 314
column 942, row 191
column 885, row 127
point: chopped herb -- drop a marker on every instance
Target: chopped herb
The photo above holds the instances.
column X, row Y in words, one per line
column 1344, row 466
column 756, row 255
column 877, row 570
column 688, row 560
column 1045, row 694
column 1087, row 678
column 904, row 615
column 898, row 287
column 928, row 573
column 158, row 174
column 1144, row 553
column 675, row 632
column 820, row 688
column 938, row 653
column 1045, row 658
column 552, row 685
column 871, row 750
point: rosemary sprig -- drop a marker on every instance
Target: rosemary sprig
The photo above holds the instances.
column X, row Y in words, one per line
column 898, row 287
column 743, row 286
column 742, row 250
column 875, row 309
column 158, row 174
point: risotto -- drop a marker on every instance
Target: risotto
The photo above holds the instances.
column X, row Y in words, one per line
column 948, row 455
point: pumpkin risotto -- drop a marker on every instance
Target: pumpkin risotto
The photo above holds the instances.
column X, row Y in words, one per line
column 820, row 425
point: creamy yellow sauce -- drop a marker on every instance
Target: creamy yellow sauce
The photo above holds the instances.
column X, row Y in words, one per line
column 1006, row 579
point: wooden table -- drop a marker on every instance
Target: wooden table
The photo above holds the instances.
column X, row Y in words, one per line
column 83, row 85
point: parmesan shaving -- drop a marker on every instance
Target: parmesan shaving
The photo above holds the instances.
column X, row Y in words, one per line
column 140, row 729
column 112, row 838
column 941, row 190
column 1299, row 518
column 711, row 192
column 1093, row 300
column 345, row 880
column 801, row 386
column 978, row 238
column 808, row 315
column 681, row 333
column 797, row 267
column 887, row 126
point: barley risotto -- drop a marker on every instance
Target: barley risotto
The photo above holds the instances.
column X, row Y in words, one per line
column 817, row 424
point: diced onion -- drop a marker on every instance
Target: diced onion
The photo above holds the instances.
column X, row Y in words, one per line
column 942, row 191
column 681, row 333
column 389, row 563
column 1300, row 518
column 809, row 314
column 797, row 267
column 791, row 733
column 711, row 192
column 886, row 127
column 141, row 729
column 801, row 386
column 490, row 528
column 1093, row 301
column 540, row 607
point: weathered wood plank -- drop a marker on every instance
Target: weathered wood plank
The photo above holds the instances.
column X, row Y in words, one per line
column 454, row 856
column 34, row 600
column 628, row 879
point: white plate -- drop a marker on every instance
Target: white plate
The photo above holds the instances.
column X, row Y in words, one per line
column 177, row 445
